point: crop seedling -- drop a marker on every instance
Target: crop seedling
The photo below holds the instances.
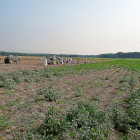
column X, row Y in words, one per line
column 27, row 86
column 107, row 78
column 28, row 79
column 99, row 84
column 69, row 83
column 3, row 77
column 26, row 72
column 38, row 78
column 20, row 106
column 3, row 122
column 53, row 123
column 37, row 99
column 95, row 98
column 83, row 85
column 14, row 102
column 9, row 84
column 50, row 94
column 77, row 88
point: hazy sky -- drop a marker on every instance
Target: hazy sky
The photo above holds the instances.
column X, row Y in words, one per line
column 70, row 26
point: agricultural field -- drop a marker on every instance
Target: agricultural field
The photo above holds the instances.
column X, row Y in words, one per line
column 99, row 100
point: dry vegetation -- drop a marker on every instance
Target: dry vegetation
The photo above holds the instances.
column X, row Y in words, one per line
column 83, row 101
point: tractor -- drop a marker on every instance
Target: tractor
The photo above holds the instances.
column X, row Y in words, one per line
column 10, row 59
column 54, row 60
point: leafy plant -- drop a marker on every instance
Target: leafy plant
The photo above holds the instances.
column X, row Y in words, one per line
column 53, row 123
column 38, row 78
column 11, row 103
column 37, row 99
column 50, row 94
column 107, row 78
column 28, row 79
column 3, row 77
column 9, row 84
column 69, row 83
column 16, row 78
column 3, row 122
column 83, row 122
column 26, row 72
column 24, row 105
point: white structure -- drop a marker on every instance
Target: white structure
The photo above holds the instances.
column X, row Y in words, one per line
column 44, row 62
column 62, row 60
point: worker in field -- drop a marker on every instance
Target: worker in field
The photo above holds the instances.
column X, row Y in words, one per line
column 77, row 61
column 85, row 60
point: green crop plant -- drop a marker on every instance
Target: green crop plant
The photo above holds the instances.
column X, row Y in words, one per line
column 53, row 123
column 38, row 99
column 126, row 116
column 83, row 122
column 8, row 84
column 69, row 83
column 132, row 81
column 125, row 86
column 77, row 88
column 9, row 92
column 3, row 77
column 11, row 103
column 24, row 105
column 95, row 98
column 123, row 80
column 57, row 73
column 107, row 78
column 110, row 85
column 90, row 82
column 47, row 74
column 27, row 87
column 78, row 94
column 26, row 72
column 38, row 78
column 99, row 84
column 3, row 122
column 50, row 94
column 83, row 85
column 16, row 78
column 119, row 117
column 28, row 79
column 40, row 91
column 31, row 135
column 101, row 78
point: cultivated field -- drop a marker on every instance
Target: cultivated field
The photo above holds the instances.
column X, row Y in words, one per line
column 99, row 100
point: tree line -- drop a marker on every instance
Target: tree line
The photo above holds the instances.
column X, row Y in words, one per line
column 109, row 55
column 42, row 54
column 120, row 55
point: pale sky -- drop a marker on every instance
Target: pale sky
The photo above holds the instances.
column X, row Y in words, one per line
column 87, row 27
